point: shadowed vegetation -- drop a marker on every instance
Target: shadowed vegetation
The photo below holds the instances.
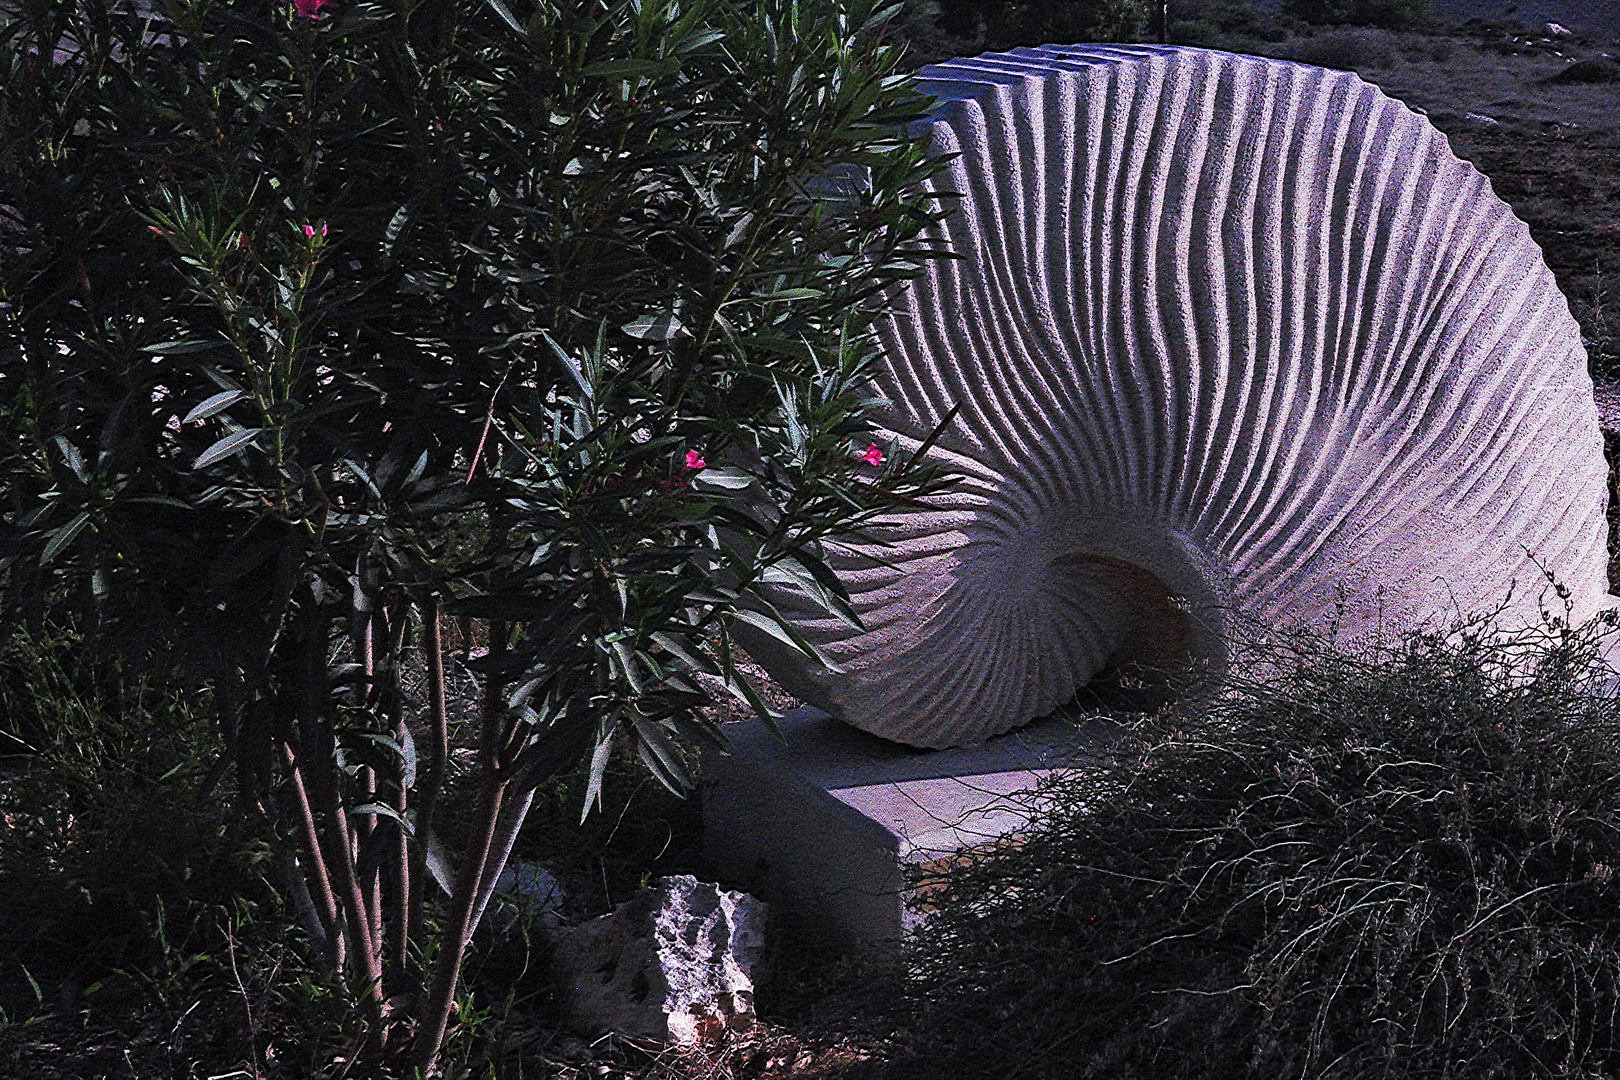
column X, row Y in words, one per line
column 1396, row 863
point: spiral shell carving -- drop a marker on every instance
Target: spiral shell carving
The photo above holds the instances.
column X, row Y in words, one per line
column 1233, row 340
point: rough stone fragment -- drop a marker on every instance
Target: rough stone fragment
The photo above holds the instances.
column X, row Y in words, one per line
column 1236, row 343
column 675, row 962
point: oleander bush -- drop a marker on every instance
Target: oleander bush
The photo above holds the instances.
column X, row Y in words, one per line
column 323, row 321
column 1392, row 863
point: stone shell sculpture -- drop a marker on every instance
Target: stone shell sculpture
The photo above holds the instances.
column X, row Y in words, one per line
column 1234, row 341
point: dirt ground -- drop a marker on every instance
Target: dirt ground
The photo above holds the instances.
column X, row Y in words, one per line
column 1550, row 146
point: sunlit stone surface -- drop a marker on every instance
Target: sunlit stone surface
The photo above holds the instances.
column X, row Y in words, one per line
column 1236, row 342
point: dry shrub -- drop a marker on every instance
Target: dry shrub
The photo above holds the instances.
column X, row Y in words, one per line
column 1391, row 864
column 1391, row 14
column 1347, row 50
column 1596, row 69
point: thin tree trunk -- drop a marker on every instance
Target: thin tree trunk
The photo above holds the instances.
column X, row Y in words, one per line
column 438, row 753
column 319, row 767
column 325, row 902
column 402, row 871
column 435, row 1016
column 371, row 887
column 366, row 958
column 489, row 748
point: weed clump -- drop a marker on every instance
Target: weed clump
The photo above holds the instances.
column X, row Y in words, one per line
column 1346, row 50
column 1382, row 864
column 1596, row 69
column 1389, row 14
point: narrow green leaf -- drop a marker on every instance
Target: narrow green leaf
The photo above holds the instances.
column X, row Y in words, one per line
column 522, row 694
column 651, row 327
column 783, row 631
column 218, row 403
column 506, row 13
column 407, row 758
column 697, row 41
column 728, row 477
column 178, row 348
column 693, row 659
column 74, row 459
column 416, row 471
column 227, row 446
column 741, row 687
column 738, row 231
column 572, row 367
column 378, row 809
column 438, row 863
column 662, row 757
column 791, row 572
column 159, row 500
column 790, row 294
column 359, row 471
column 599, row 760
column 627, row 663
column 623, row 69
column 61, row 538
column 404, row 753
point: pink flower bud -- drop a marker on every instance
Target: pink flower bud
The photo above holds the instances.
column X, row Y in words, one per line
column 694, row 460
column 873, row 455
column 310, row 9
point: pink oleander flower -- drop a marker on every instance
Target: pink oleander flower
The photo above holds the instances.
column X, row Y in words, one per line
column 873, row 455
column 310, row 9
column 694, row 460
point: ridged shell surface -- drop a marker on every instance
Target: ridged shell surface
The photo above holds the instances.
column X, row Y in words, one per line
column 1233, row 340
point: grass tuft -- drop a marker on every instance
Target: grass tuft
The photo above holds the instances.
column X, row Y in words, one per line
column 1595, row 69
column 1393, row 863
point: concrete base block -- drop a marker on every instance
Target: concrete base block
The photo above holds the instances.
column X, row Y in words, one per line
column 825, row 826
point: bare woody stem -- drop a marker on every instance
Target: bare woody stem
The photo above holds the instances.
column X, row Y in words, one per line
column 320, row 754
column 438, row 754
column 317, row 874
column 399, row 614
column 366, row 961
column 435, row 1016
column 371, row 887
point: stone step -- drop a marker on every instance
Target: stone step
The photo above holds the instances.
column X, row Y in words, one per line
column 827, row 826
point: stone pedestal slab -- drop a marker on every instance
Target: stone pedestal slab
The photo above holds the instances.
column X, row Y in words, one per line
column 825, row 825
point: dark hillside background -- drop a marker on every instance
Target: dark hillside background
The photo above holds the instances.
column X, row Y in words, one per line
column 1593, row 18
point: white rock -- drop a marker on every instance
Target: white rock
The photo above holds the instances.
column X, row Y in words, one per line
column 676, row 962
column 1236, row 342
column 1558, row 31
